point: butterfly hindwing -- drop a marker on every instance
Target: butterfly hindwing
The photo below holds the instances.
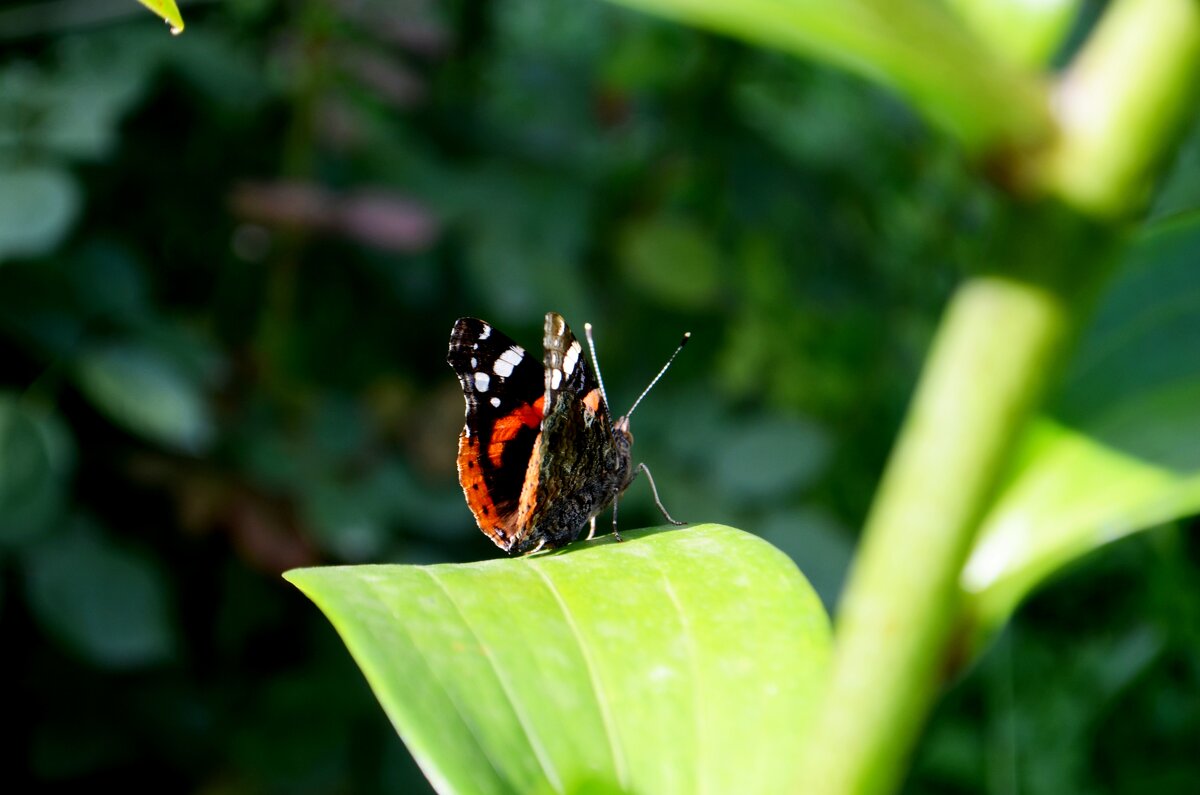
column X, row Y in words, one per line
column 578, row 463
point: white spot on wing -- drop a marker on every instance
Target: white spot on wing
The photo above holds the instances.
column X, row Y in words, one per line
column 482, row 380
column 495, row 402
column 571, row 358
column 555, row 378
column 474, row 363
column 503, row 366
column 487, row 332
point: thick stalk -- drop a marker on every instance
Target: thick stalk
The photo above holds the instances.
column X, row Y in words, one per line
column 1119, row 108
column 1121, row 105
column 984, row 374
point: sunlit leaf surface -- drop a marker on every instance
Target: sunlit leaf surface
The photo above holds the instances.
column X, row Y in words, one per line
column 679, row 661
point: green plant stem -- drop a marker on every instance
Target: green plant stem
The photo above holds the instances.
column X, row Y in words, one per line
column 1121, row 105
column 1119, row 108
column 985, row 373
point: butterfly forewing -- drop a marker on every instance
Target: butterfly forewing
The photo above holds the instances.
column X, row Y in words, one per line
column 503, row 387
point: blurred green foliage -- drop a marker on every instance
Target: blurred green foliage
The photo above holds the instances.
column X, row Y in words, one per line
column 229, row 263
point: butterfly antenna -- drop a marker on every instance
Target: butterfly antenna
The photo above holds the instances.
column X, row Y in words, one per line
column 646, row 391
column 587, row 332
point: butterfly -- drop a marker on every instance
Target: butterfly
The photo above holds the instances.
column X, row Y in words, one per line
column 539, row 455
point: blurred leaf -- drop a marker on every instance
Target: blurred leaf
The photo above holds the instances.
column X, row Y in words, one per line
column 1121, row 453
column 38, row 205
column 1070, row 496
column 768, row 457
column 552, row 673
column 74, row 108
column 1028, row 33
column 168, row 11
column 673, row 261
column 916, row 48
column 81, row 104
column 36, row 455
column 107, row 603
column 146, row 393
column 1179, row 191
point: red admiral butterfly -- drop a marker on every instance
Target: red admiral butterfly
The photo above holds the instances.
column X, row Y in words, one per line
column 539, row 455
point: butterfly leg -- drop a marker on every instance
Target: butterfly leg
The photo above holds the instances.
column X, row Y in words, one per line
column 616, row 500
column 592, row 531
column 654, row 490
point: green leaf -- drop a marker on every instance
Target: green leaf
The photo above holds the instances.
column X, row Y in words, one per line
column 36, row 455
column 915, row 48
column 168, row 11
column 38, row 205
column 1179, row 191
column 1120, row 453
column 676, row 662
column 107, row 603
column 147, row 393
column 1028, row 33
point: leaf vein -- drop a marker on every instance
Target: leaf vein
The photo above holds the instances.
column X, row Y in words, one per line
column 619, row 764
column 691, row 655
column 399, row 621
column 539, row 750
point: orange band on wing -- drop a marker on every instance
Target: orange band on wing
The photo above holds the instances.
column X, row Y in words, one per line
column 528, row 500
column 470, row 475
column 592, row 401
column 527, row 416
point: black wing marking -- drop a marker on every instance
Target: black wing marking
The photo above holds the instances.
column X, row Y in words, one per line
column 503, row 388
column 568, row 373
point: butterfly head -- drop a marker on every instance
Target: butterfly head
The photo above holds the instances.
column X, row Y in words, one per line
column 621, row 430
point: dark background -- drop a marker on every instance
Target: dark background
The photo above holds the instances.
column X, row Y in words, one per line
column 229, row 265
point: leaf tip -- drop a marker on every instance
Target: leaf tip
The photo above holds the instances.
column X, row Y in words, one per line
column 169, row 13
column 300, row 578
